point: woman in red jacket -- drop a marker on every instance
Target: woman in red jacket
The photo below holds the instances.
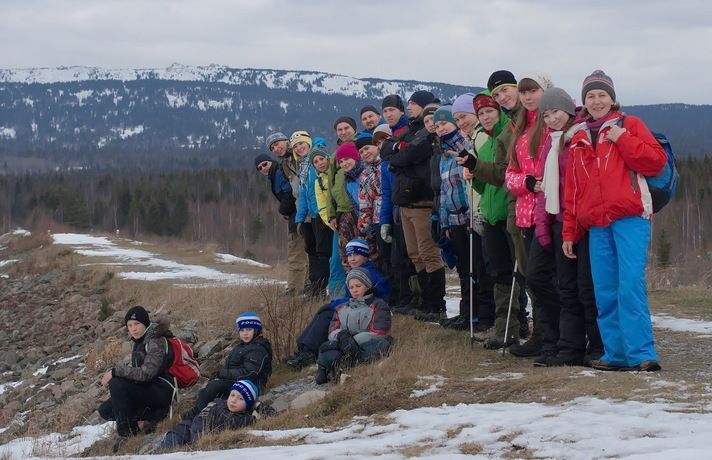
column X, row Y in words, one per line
column 607, row 195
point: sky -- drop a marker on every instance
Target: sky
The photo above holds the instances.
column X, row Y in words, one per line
column 656, row 51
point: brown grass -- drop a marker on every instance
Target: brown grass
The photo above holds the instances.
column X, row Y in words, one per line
column 98, row 360
column 470, row 448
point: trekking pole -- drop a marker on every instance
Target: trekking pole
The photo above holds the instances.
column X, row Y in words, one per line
column 471, row 278
column 509, row 309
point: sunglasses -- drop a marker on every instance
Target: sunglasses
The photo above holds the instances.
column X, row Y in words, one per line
column 263, row 165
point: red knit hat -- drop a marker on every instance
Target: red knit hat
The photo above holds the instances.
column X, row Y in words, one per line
column 483, row 100
column 347, row 150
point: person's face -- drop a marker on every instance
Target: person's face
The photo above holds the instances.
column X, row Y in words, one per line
column 531, row 98
column 235, row 402
column 444, row 127
column 369, row 120
column 506, row 96
column 488, row 117
column 355, row 260
column 321, row 163
column 136, row 328
column 392, row 115
column 465, row 121
column 413, row 109
column 368, row 153
column 246, row 334
column 357, row 288
column 429, row 125
column 347, row 164
column 556, row 119
column 344, row 130
column 264, row 167
column 301, row 149
column 279, row 148
column 598, row 103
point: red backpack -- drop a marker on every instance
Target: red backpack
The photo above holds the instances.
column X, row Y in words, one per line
column 184, row 366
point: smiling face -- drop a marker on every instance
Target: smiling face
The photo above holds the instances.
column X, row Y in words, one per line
column 344, row 130
column 301, row 149
column 369, row 120
column 488, row 117
column 392, row 115
column 598, row 103
column 235, row 402
column 321, row 163
column 368, row 153
column 279, row 148
column 136, row 329
column 506, row 96
column 355, row 260
column 357, row 288
column 531, row 98
column 347, row 164
column 443, row 128
column 467, row 122
column 555, row 119
column 264, row 167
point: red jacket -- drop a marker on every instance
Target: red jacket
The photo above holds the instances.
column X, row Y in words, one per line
column 606, row 183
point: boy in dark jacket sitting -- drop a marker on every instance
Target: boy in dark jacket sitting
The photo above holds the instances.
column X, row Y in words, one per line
column 222, row 414
column 360, row 330
column 251, row 359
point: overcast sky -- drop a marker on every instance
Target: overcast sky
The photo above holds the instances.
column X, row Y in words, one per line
column 655, row 50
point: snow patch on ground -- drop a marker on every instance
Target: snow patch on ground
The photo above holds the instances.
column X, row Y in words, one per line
column 21, row 232
column 55, row 444
column 432, row 384
column 662, row 321
column 499, row 377
column 5, row 386
column 229, row 259
column 8, row 262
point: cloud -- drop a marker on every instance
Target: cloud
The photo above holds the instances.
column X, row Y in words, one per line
column 651, row 49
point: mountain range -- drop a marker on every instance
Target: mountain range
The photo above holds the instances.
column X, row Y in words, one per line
column 94, row 117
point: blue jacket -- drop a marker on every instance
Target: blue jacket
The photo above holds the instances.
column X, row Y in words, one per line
column 306, row 197
column 381, row 287
column 388, row 210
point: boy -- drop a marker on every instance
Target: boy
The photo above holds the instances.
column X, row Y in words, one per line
column 234, row 412
column 250, row 359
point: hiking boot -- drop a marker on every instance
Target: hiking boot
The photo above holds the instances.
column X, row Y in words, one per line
column 458, row 323
column 648, row 366
column 299, row 359
column 531, row 347
column 590, row 357
column 120, row 440
column 321, row 378
column 404, row 310
column 485, row 335
column 494, row 343
column 543, row 360
column 481, row 327
column 524, row 330
column 602, row 365
column 428, row 316
column 559, row 361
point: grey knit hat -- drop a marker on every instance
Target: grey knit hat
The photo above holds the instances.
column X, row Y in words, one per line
column 361, row 274
column 557, row 98
column 275, row 137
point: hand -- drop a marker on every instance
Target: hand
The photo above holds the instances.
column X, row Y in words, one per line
column 333, row 223
column 533, row 184
column 467, row 174
column 614, row 132
column 445, row 233
column 568, row 248
column 105, row 378
column 386, row 230
column 466, row 160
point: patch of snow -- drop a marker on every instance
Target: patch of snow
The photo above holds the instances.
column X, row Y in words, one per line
column 283, row 105
column 21, row 232
column 433, row 382
column 229, row 259
column 44, row 387
column 66, row 360
column 125, row 133
column 499, row 377
column 83, row 95
column 586, row 373
column 8, row 262
column 452, row 306
column 41, row 371
column 55, row 444
column 176, row 100
column 7, row 133
column 662, row 321
column 4, row 386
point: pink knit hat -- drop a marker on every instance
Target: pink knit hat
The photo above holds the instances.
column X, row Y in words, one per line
column 347, row 150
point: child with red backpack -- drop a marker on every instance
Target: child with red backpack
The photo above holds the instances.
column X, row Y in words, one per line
column 251, row 359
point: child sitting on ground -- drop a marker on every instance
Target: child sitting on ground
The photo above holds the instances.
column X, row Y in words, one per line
column 360, row 329
column 251, row 359
column 222, row 414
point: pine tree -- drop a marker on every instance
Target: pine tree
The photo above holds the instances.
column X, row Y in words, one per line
column 663, row 250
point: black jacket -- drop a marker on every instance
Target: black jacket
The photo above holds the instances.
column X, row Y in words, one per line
column 249, row 361
column 151, row 356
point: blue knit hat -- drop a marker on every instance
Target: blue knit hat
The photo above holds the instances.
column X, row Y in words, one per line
column 249, row 320
column 248, row 390
column 357, row 246
column 444, row 113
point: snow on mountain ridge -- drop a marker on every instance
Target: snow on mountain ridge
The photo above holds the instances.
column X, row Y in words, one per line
column 303, row 81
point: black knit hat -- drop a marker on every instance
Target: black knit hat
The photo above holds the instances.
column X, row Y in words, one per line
column 363, row 141
column 422, row 98
column 137, row 313
column 393, row 100
column 368, row 108
column 261, row 158
column 348, row 120
column 499, row 78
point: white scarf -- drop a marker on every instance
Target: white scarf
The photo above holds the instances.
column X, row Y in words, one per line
column 550, row 181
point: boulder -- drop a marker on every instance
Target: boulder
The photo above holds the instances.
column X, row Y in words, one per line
column 307, row 399
column 61, row 374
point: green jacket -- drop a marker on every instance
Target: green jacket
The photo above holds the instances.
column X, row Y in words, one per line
column 340, row 200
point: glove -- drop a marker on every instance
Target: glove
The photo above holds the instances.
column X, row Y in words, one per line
column 530, row 182
column 470, row 160
column 347, row 344
column 386, row 230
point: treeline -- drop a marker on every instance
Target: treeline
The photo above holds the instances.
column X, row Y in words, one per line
column 235, row 209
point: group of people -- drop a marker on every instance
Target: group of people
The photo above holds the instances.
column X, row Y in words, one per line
column 528, row 196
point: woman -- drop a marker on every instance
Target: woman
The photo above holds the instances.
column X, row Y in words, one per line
column 606, row 195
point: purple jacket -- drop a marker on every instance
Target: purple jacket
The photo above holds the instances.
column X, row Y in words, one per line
column 543, row 219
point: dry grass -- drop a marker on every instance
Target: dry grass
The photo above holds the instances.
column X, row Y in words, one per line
column 470, row 448
column 98, row 360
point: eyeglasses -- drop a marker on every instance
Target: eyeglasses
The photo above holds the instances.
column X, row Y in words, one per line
column 263, row 165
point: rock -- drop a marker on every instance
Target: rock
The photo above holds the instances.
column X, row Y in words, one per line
column 10, row 357
column 209, row 348
column 61, row 374
column 280, row 404
column 305, row 400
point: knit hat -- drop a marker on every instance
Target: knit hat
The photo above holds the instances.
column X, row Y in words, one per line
column 484, row 100
column 501, row 78
column 598, row 80
column 248, row 390
column 422, row 98
column 444, row 113
column 543, row 80
column 247, row 320
column 463, row 103
column 137, row 313
column 557, row 98
column 346, row 150
column 262, row 157
column 348, row 120
column 381, row 132
column 430, row 109
column 275, row 137
column 363, row 140
column 318, row 151
column 361, row 274
column 357, row 246
column 368, row 108
column 300, row 136
column 393, row 100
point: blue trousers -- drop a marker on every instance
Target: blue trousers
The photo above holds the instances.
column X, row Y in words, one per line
column 619, row 254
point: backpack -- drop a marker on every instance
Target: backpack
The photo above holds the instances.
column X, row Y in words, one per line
column 184, row 366
column 662, row 187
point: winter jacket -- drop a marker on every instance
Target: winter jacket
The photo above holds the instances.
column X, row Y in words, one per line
column 307, row 208
column 363, row 318
column 454, row 205
column 150, row 358
column 388, row 209
column 435, row 180
column 605, row 183
column 381, row 287
column 340, row 199
column 369, row 199
column 323, row 196
column 282, row 190
column 249, row 361
column 515, row 179
column 213, row 418
column 288, row 166
column 351, row 181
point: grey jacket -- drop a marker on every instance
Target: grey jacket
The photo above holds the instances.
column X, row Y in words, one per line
column 151, row 356
column 362, row 318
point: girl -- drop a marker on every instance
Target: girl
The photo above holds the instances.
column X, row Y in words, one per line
column 369, row 197
column 344, row 193
column 607, row 195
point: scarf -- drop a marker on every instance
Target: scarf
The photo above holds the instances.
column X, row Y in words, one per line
column 303, row 164
column 550, row 181
column 355, row 172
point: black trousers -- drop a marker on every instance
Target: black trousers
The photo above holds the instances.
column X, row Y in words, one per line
column 316, row 332
column 131, row 401
column 216, row 388
column 318, row 238
column 481, row 285
column 542, row 280
column 401, row 266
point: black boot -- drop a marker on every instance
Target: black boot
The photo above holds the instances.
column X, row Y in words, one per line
column 434, row 294
column 320, row 378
